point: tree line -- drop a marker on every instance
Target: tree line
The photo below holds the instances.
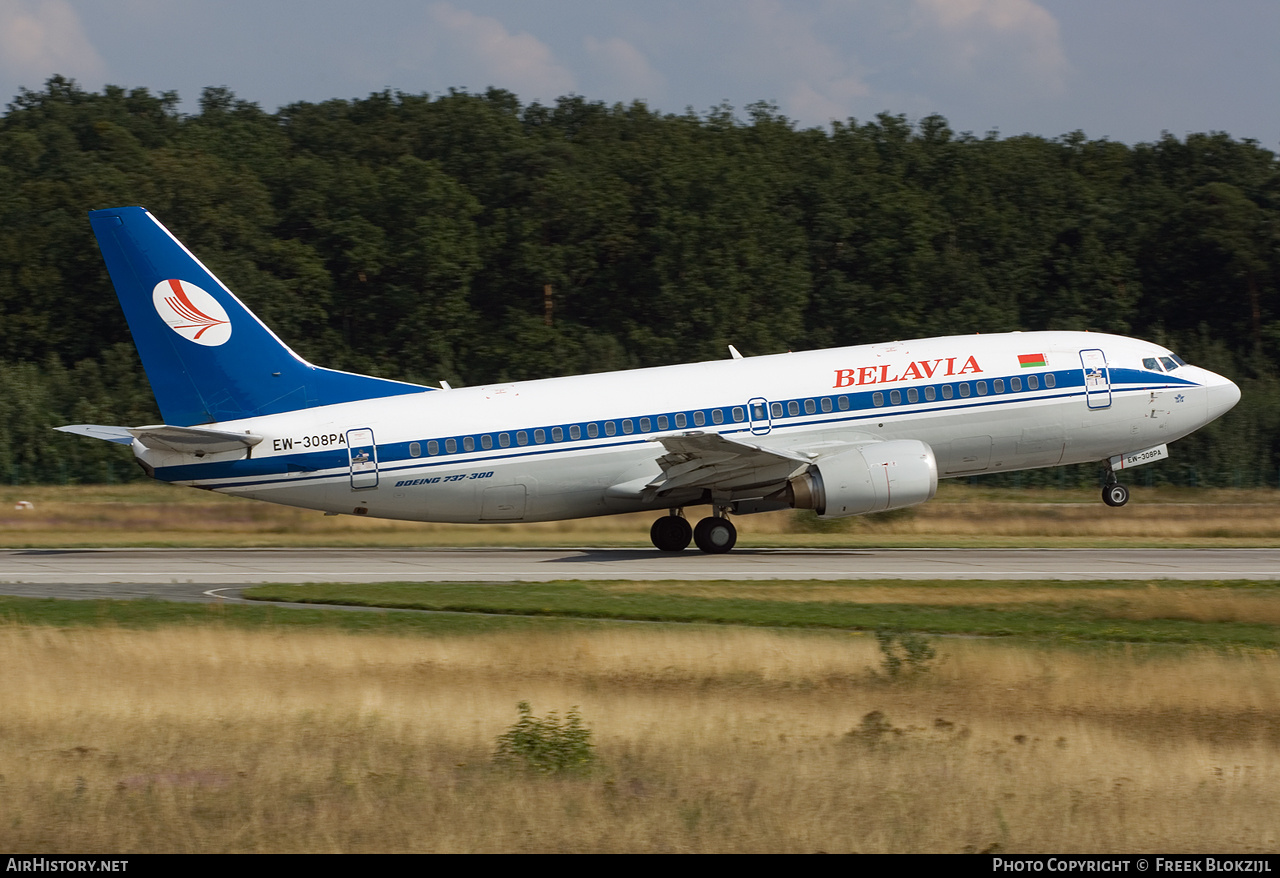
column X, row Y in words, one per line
column 472, row 238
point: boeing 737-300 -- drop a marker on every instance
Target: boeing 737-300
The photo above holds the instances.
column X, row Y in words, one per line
column 845, row 431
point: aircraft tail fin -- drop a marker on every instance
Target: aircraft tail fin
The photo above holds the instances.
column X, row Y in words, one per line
column 207, row 356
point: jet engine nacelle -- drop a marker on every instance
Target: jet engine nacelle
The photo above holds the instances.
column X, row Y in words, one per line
column 870, row 478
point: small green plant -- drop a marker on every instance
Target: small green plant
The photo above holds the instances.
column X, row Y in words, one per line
column 901, row 651
column 546, row 745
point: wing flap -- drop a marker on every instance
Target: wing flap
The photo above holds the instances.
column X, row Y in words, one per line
column 716, row 463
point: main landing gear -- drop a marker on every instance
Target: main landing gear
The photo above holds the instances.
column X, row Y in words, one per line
column 1114, row 493
column 713, row 535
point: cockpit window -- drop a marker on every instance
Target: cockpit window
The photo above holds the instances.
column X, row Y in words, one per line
column 1169, row 363
column 1151, row 364
column 1177, row 359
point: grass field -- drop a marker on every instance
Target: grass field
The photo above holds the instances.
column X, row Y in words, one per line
column 209, row 737
column 153, row 514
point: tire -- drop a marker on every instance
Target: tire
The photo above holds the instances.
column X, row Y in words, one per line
column 715, row 535
column 1115, row 495
column 671, row 533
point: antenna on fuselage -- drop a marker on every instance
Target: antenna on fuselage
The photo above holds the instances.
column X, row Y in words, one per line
column 733, row 352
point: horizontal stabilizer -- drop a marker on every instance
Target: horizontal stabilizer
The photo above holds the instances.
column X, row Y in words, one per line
column 99, row 431
column 163, row 437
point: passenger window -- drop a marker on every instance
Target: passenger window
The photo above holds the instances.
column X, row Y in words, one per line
column 717, row 416
column 504, row 440
column 486, row 441
column 575, row 432
column 1151, row 364
column 628, row 427
column 451, row 445
column 681, row 421
column 557, row 434
column 539, row 436
column 982, row 388
column 610, row 428
column 964, row 389
column 913, row 395
column 930, row 394
column 1033, row 383
column 793, row 408
column 415, row 450
column 592, row 431
column 844, row 403
column 644, row 425
column 433, row 448
column 775, row 409
column 699, row 419
column 1050, row 381
column 999, row 385
column 947, row 392
column 469, row 444
column 662, row 422
column 1015, row 384
column 895, row 397
column 826, row 403
column 739, row 414
column 810, row 407
column 522, row 438
column 877, row 398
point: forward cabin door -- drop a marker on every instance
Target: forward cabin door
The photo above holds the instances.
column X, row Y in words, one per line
column 363, row 456
column 1097, row 378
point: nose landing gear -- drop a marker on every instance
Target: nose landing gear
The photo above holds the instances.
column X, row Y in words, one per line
column 1114, row 493
column 714, row 534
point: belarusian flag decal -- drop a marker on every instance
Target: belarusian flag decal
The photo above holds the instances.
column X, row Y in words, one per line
column 1031, row 361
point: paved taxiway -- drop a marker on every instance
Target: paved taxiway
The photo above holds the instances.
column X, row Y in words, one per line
column 193, row 574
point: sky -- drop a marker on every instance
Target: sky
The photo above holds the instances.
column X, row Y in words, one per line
column 1124, row 70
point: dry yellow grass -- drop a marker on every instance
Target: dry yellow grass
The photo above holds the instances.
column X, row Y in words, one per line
column 211, row 739
column 158, row 514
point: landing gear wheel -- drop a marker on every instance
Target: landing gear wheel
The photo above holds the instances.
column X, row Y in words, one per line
column 1115, row 495
column 671, row 533
column 715, row 535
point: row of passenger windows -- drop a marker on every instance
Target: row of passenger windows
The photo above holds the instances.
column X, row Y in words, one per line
column 573, row 432
column 682, row 420
column 949, row 391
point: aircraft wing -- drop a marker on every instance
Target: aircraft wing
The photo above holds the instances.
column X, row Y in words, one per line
column 717, row 463
column 185, row 440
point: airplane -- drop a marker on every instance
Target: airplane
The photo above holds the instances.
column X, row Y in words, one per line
column 845, row 431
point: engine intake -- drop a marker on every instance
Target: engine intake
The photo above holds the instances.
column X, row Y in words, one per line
column 870, row 478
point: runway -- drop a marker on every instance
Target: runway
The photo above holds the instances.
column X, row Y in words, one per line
column 210, row 574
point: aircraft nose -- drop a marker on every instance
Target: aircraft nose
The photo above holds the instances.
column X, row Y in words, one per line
column 1222, row 398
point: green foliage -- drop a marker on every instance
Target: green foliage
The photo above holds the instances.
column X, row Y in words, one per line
column 471, row 238
column 546, row 745
column 902, row 653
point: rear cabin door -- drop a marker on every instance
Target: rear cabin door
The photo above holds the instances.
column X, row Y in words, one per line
column 362, row 454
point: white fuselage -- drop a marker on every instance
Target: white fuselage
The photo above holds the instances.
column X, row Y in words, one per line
column 569, row 447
